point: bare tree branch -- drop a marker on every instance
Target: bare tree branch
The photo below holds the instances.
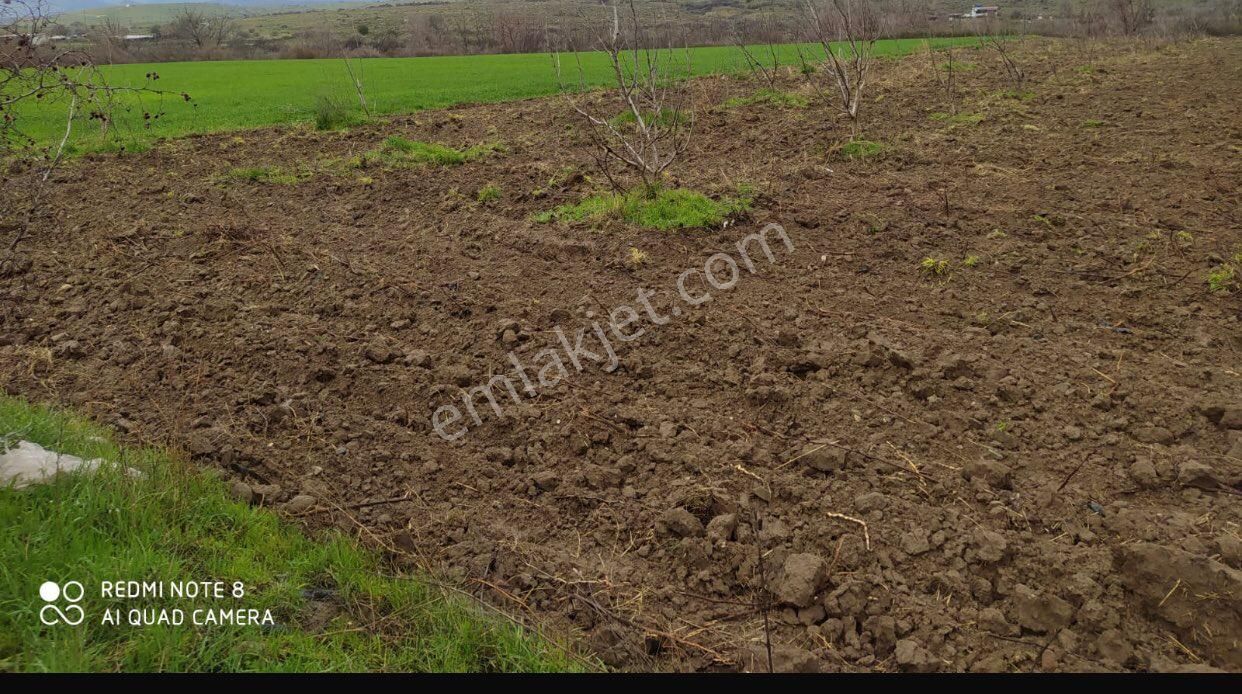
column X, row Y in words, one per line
column 655, row 124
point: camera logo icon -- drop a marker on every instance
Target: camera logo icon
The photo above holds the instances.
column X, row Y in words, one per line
column 52, row 613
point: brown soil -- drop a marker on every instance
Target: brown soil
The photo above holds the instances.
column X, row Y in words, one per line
column 1044, row 447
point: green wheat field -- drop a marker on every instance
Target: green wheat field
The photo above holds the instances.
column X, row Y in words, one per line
column 236, row 95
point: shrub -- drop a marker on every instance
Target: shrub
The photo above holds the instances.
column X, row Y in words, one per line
column 665, row 118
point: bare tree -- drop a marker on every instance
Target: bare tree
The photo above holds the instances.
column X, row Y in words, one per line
column 655, row 123
column 108, row 40
column 206, row 30
column 993, row 35
column 847, row 30
column 1132, row 15
column 34, row 69
column 946, row 75
column 764, row 61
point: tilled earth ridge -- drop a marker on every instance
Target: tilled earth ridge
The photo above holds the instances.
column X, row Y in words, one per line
column 1029, row 462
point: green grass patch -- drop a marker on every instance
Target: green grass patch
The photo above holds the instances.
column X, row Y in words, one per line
column 334, row 605
column 1015, row 95
column 934, row 267
column 488, row 193
column 1093, row 123
column 769, row 97
column 331, row 113
column 668, row 208
column 266, row 174
column 238, row 94
column 958, row 118
column 1222, row 278
column 398, row 152
column 862, row 149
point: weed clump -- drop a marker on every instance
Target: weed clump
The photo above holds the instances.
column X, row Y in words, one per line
column 958, row 118
column 398, row 152
column 488, row 193
column 664, row 208
column 266, row 174
column 332, row 114
column 769, row 97
column 934, row 267
column 861, row 149
column 1223, row 277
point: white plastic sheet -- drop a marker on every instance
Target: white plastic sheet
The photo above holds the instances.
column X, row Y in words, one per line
column 29, row 463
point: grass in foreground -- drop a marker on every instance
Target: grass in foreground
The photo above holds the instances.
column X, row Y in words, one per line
column 667, row 208
column 334, row 609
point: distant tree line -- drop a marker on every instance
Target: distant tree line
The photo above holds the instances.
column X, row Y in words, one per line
column 198, row 33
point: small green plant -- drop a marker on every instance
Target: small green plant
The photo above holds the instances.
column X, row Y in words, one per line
column 488, row 193
column 635, row 257
column 996, row 234
column 934, row 267
column 665, row 208
column 266, row 174
column 861, row 149
column 1093, row 123
column 971, row 261
column 332, row 114
column 769, row 97
column 398, row 152
column 1222, row 278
